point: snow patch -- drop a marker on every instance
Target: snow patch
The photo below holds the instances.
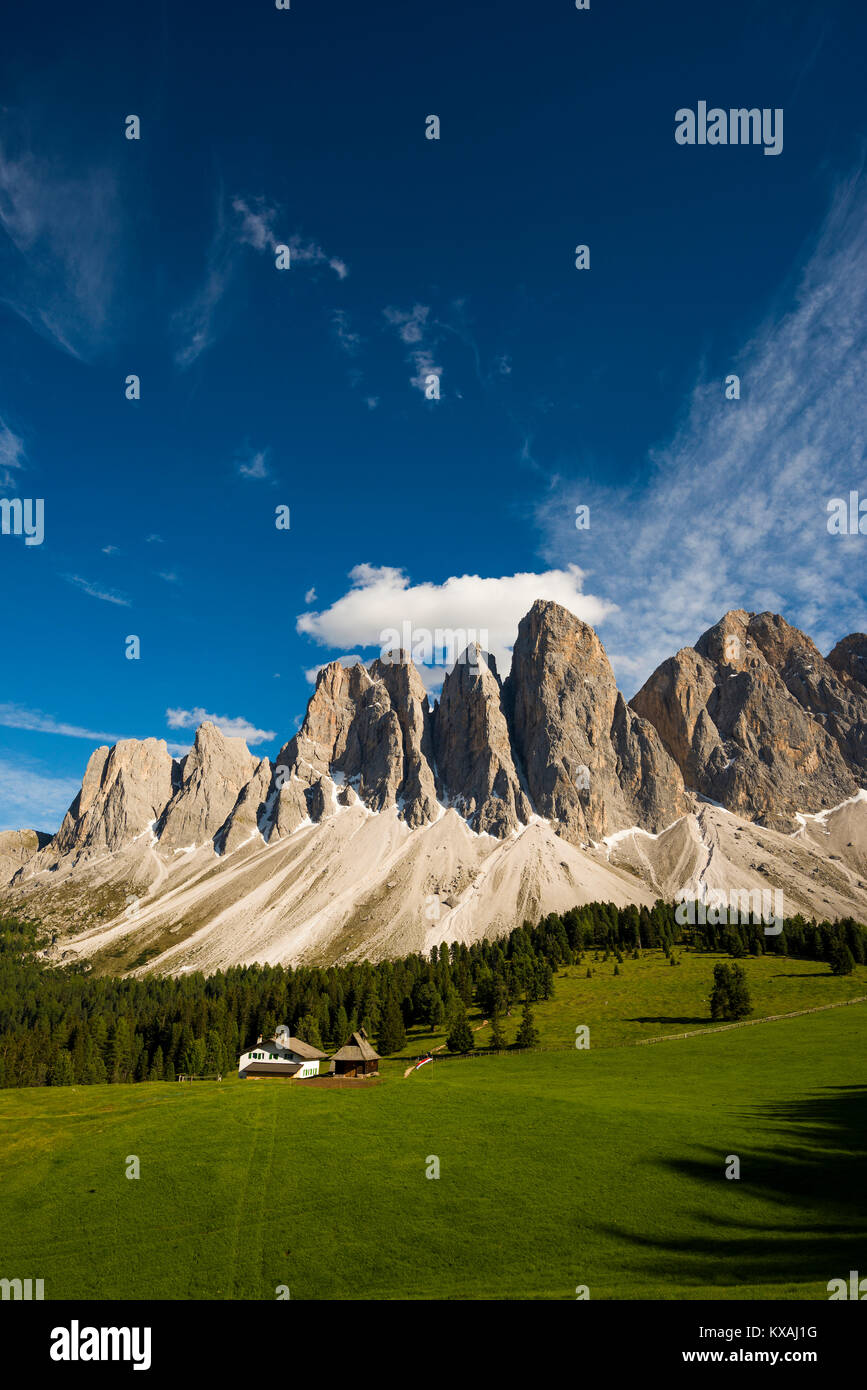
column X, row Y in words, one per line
column 821, row 817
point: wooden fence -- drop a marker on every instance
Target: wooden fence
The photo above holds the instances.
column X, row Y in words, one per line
column 750, row 1022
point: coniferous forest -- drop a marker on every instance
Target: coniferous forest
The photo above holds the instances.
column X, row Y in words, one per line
column 64, row 1025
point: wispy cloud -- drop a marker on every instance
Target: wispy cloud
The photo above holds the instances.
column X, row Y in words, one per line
column 309, row 253
column 348, row 339
column 415, row 328
column 256, row 223
column 106, row 595
column 248, row 223
column 31, row 798
column 61, row 260
column 731, row 512
column 195, row 323
column 425, row 366
column 255, row 465
column 230, row 726
column 19, row 717
column 11, row 454
column 409, row 323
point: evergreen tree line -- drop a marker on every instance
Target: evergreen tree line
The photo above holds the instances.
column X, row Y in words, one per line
column 63, row 1025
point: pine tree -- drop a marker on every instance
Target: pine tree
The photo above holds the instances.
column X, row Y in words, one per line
column 460, row 1036
column 341, row 1028
column 120, row 1052
column 527, row 1035
column 61, row 1073
column 842, row 961
column 730, row 998
column 498, row 1037
column 437, row 1014
column 391, row 1037
column 308, row 1031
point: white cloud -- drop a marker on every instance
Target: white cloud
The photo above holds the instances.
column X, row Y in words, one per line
column 731, row 513
column 257, row 222
column 107, row 595
column 382, row 597
column 255, row 465
column 229, row 726
column 411, row 323
column 110, row 550
column 425, row 364
column 308, row 253
column 31, row 799
column 310, row 596
column 416, row 330
column 18, row 717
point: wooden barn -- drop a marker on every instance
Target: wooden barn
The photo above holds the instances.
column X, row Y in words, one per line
column 356, row 1058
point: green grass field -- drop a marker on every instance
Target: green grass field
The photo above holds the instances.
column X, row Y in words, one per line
column 602, row 1168
column 650, row 997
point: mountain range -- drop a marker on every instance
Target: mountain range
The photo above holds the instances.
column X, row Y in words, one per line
column 389, row 824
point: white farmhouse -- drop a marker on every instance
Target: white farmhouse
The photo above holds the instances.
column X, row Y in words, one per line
column 281, row 1055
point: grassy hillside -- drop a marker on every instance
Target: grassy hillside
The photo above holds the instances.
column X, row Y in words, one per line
column 602, row 1168
column 651, row 997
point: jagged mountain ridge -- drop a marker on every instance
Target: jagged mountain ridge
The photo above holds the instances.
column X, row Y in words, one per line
column 387, row 824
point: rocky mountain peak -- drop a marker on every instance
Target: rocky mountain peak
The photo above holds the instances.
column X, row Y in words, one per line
column 284, row 860
column 473, row 751
column 123, row 791
column 849, row 658
column 585, row 756
column 212, row 776
column 757, row 719
column 752, row 717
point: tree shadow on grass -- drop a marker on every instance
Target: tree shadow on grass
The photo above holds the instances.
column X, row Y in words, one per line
column 810, row 1165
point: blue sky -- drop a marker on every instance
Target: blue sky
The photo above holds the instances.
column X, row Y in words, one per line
column 300, row 387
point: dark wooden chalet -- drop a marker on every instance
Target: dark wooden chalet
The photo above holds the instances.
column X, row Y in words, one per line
column 356, row 1058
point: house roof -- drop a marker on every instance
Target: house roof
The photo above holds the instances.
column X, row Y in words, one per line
column 271, row 1068
column 304, row 1049
column 358, row 1049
